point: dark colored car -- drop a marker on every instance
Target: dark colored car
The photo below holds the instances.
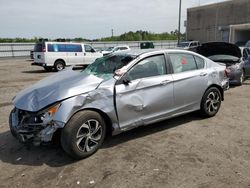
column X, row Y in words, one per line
column 227, row 54
column 146, row 45
column 246, row 65
column 32, row 54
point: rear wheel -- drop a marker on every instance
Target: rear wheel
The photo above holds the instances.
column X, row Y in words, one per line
column 211, row 102
column 84, row 134
column 59, row 65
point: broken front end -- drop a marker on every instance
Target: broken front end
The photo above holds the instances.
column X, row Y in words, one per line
column 34, row 127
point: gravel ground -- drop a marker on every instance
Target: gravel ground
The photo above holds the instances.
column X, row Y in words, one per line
column 183, row 152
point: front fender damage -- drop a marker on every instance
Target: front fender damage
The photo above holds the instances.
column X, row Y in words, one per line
column 38, row 127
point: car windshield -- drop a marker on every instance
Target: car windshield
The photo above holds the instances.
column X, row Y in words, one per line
column 223, row 58
column 183, row 44
column 105, row 66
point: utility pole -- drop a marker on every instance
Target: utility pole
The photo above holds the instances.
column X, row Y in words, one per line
column 179, row 25
column 112, row 32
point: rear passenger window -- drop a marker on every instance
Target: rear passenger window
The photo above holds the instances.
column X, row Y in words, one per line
column 200, row 62
column 64, row 48
column 73, row 48
column 56, row 48
column 182, row 62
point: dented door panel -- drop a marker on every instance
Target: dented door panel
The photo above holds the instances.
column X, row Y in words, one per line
column 144, row 100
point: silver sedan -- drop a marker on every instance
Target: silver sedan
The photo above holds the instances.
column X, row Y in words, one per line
column 116, row 93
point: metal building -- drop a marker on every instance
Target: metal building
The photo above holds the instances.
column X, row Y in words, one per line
column 228, row 21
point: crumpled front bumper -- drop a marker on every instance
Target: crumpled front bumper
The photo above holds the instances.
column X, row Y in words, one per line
column 27, row 127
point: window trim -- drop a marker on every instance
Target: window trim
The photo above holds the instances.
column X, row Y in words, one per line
column 166, row 65
column 171, row 66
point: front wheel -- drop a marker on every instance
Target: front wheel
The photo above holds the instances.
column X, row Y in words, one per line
column 84, row 134
column 211, row 102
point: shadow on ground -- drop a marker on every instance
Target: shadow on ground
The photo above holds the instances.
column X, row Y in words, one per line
column 34, row 71
column 150, row 129
column 11, row 151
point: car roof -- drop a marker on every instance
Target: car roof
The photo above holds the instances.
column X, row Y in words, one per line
column 138, row 52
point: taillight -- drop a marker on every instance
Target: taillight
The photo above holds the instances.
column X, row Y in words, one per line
column 226, row 73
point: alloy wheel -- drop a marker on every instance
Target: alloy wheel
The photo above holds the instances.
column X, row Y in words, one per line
column 212, row 102
column 89, row 135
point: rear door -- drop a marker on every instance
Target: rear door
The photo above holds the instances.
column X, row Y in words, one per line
column 190, row 80
column 149, row 94
column 54, row 52
column 38, row 54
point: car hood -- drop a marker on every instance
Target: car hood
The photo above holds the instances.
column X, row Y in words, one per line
column 219, row 48
column 55, row 88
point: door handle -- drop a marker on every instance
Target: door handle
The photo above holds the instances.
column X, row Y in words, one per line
column 75, row 54
column 165, row 82
column 84, row 54
column 203, row 74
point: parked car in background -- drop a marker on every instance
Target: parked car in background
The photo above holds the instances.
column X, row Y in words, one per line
column 246, row 59
column 247, row 44
column 227, row 54
column 57, row 55
column 188, row 45
column 115, row 49
column 116, row 93
column 146, row 45
column 31, row 54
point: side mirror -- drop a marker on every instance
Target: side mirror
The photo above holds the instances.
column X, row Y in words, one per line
column 93, row 50
column 126, row 80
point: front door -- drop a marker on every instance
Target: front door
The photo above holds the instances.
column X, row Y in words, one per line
column 147, row 96
column 90, row 55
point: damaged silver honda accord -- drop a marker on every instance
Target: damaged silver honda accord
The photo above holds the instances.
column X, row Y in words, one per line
column 116, row 93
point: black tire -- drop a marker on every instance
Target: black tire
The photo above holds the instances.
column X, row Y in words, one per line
column 59, row 65
column 211, row 102
column 10, row 125
column 81, row 137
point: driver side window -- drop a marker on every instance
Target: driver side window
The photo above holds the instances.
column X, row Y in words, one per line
column 88, row 48
column 148, row 67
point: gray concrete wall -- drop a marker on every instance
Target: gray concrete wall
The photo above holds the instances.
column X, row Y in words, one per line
column 211, row 22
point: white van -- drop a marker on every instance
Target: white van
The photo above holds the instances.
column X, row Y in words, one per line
column 57, row 55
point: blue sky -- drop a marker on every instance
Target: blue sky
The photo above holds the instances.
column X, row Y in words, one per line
column 90, row 18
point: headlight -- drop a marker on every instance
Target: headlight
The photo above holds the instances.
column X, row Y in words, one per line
column 46, row 115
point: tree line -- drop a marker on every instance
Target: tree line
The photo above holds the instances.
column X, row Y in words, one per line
column 128, row 36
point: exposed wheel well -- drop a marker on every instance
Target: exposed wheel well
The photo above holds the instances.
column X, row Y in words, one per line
column 219, row 88
column 109, row 128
